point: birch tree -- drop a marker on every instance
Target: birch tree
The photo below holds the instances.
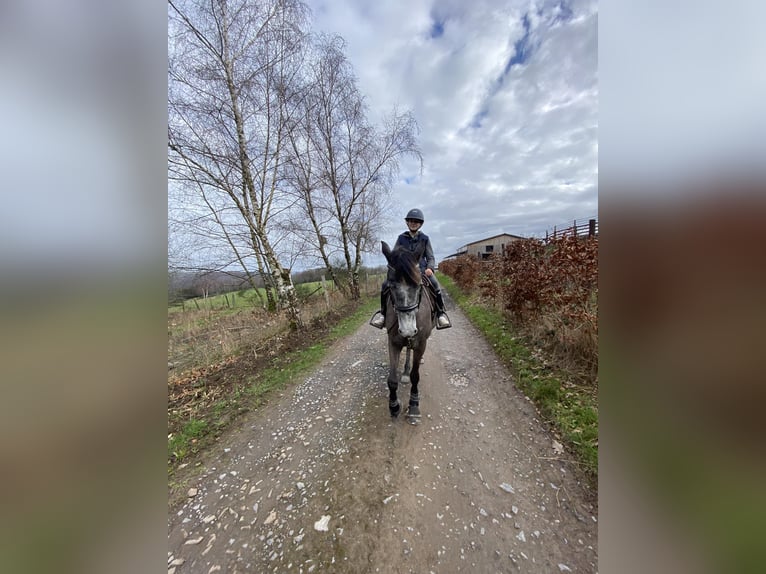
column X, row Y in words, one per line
column 342, row 167
column 233, row 75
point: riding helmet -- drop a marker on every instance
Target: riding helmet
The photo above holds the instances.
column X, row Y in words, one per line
column 415, row 214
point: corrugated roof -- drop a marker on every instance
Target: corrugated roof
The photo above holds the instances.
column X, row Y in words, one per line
column 492, row 237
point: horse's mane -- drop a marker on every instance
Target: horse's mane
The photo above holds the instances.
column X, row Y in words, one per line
column 405, row 264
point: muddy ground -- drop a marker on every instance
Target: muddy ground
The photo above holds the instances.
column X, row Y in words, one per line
column 323, row 480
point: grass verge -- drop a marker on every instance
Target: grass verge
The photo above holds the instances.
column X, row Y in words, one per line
column 571, row 409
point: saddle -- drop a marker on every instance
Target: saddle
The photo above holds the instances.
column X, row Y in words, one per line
column 430, row 293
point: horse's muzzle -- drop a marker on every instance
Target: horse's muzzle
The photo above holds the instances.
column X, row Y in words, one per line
column 409, row 332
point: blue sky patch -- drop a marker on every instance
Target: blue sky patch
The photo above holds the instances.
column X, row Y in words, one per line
column 521, row 48
column 477, row 119
column 437, row 29
column 565, row 13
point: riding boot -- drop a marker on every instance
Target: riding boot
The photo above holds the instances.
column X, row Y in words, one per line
column 442, row 321
column 379, row 318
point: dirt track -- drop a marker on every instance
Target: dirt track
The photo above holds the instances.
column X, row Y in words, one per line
column 479, row 486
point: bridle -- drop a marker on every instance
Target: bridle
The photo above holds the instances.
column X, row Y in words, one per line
column 408, row 308
column 412, row 307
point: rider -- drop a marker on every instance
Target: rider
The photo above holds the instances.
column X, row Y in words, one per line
column 418, row 243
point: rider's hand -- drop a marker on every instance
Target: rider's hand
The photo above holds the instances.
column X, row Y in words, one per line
column 429, row 272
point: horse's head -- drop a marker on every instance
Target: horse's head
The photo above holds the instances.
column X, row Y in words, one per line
column 405, row 286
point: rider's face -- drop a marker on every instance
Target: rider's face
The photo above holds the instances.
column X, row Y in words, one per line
column 413, row 224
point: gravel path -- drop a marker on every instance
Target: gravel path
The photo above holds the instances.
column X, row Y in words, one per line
column 323, row 480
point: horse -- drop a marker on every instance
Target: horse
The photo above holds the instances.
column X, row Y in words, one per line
column 410, row 318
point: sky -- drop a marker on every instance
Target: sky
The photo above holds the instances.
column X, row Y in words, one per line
column 595, row 92
column 505, row 94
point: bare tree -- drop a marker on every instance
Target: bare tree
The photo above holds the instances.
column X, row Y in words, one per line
column 342, row 167
column 233, row 70
column 373, row 165
column 315, row 220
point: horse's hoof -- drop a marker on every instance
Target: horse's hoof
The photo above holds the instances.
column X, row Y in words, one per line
column 395, row 410
column 413, row 414
column 405, row 380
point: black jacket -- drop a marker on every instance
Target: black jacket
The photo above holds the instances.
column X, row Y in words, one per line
column 420, row 245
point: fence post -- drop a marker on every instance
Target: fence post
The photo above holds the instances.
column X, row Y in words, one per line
column 592, row 228
column 326, row 294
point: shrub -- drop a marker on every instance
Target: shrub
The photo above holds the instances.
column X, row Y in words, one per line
column 548, row 288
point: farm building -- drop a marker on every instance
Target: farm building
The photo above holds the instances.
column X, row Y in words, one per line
column 484, row 248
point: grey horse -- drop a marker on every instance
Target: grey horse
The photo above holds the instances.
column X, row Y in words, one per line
column 410, row 318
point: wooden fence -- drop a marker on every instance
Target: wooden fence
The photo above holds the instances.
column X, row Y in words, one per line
column 587, row 229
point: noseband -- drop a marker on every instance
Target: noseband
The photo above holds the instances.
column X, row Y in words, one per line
column 407, row 308
column 412, row 307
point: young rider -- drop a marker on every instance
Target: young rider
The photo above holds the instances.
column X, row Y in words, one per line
column 418, row 243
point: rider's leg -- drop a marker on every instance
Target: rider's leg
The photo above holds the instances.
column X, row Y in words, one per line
column 442, row 321
column 379, row 318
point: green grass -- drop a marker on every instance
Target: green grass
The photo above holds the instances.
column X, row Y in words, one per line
column 233, row 301
column 572, row 410
column 181, row 444
column 236, row 300
column 243, row 299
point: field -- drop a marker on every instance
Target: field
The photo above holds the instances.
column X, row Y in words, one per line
column 226, row 354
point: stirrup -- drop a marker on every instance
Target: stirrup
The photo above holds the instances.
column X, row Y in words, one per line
column 378, row 320
column 443, row 322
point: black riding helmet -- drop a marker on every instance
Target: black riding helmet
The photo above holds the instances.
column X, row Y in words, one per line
column 415, row 214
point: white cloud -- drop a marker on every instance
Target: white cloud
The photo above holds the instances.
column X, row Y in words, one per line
column 505, row 150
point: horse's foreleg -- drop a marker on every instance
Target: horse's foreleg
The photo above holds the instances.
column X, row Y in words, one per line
column 393, row 379
column 407, row 364
column 413, row 412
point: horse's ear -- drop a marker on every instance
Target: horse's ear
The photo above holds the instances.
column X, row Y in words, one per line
column 386, row 250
